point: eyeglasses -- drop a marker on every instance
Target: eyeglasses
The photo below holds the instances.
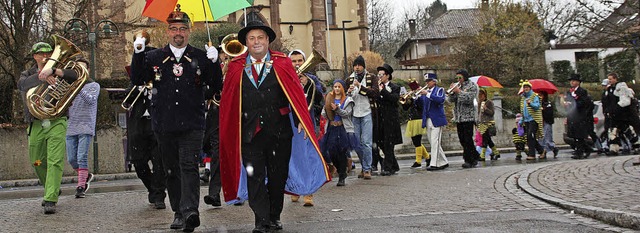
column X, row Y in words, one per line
column 459, row 76
column 380, row 75
column 181, row 29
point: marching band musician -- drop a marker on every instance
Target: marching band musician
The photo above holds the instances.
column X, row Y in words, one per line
column 142, row 145
column 47, row 137
column 363, row 89
column 313, row 91
column 433, row 118
column 463, row 95
column 298, row 58
column 389, row 120
column 263, row 104
column 414, row 128
column 180, row 73
column 211, row 140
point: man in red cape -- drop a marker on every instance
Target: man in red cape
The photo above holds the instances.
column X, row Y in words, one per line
column 267, row 142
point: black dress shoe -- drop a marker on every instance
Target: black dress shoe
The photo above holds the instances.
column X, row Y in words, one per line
column 340, row 182
column 275, row 225
column 191, row 222
column 467, row 165
column 387, row 173
column 434, row 168
column 213, row 200
column 159, row 205
column 260, row 229
column 178, row 223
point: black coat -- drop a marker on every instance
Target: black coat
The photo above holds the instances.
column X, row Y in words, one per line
column 389, row 128
column 178, row 102
column 580, row 114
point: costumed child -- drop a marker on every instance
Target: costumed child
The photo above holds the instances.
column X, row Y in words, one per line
column 519, row 139
column 340, row 136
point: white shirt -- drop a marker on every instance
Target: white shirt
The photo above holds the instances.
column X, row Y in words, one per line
column 177, row 52
column 258, row 67
column 386, row 86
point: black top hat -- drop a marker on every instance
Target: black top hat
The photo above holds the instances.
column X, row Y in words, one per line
column 387, row 69
column 575, row 77
column 178, row 16
column 242, row 34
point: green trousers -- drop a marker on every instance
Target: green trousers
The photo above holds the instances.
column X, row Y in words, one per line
column 47, row 144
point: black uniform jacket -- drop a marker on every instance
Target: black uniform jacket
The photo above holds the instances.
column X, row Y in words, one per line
column 178, row 102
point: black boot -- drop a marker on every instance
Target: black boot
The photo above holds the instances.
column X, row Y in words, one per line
column 341, row 179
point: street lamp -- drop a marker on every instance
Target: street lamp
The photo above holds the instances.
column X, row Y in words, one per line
column 344, row 47
column 77, row 26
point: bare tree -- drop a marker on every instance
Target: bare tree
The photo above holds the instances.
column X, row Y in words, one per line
column 17, row 20
column 560, row 19
column 509, row 47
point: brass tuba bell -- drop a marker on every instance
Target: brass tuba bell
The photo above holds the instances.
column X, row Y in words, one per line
column 50, row 101
column 232, row 46
column 309, row 63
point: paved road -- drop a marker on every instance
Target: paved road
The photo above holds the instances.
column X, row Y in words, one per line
column 484, row 199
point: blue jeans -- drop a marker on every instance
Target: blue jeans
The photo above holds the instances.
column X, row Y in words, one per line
column 363, row 127
column 78, row 150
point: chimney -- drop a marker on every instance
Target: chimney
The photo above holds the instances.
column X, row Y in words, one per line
column 412, row 28
column 484, row 5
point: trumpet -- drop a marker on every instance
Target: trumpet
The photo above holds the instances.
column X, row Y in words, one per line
column 453, row 87
column 412, row 95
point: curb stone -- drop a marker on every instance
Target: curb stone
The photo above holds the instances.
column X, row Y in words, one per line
column 609, row 216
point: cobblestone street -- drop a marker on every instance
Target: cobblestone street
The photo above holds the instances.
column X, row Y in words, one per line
column 485, row 199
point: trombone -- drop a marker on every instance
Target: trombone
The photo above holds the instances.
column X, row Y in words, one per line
column 125, row 102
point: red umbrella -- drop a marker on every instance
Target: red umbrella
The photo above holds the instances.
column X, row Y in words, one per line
column 543, row 85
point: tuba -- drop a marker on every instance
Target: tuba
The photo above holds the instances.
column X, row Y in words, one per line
column 309, row 63
column 50, row 101
column 232, row 46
